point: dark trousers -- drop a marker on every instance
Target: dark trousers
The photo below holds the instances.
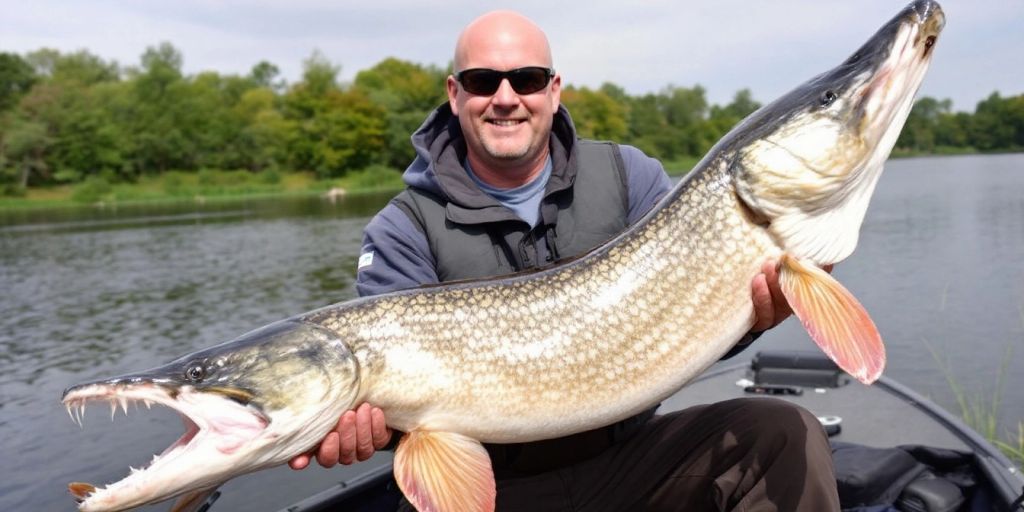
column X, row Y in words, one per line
column 754, row 454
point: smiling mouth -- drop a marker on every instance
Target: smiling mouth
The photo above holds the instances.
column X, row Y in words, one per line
column 506, row 122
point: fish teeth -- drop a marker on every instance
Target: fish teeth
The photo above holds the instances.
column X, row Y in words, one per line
column 124, row 404
column 113, row 409
column 71, row 414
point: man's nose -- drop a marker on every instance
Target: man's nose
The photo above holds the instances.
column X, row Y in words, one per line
column 505, row 95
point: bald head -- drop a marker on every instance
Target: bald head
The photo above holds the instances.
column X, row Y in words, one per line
column 507, row 131
column 502, row 37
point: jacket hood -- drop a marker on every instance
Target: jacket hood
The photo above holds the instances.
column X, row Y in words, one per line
column 441, row 149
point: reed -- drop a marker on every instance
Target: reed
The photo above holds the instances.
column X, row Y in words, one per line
column 1013, row 448
column 980, row 411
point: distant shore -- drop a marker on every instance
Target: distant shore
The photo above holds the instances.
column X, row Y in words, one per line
column 204, row 187
column 224, row 186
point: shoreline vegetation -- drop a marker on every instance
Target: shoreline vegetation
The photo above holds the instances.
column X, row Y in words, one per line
column 205, row 186
column 78, row 129
column 209, row 185
column 216, row 185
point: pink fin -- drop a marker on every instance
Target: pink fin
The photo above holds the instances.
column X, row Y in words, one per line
column 444, row 472
column 834, row 318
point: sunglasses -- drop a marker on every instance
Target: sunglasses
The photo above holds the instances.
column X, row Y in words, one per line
column 485, row 82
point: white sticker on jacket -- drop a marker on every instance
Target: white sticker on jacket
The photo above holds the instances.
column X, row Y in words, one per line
column 365, row 260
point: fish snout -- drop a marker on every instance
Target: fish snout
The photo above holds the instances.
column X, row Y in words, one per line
column 928, row 13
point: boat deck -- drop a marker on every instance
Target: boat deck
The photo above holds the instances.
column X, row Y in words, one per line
column 867, row 416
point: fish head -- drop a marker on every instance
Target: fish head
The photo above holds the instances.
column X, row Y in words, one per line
column 807, row 164
column 248, row 404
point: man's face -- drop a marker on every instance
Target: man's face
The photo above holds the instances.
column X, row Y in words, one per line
column 505, row 128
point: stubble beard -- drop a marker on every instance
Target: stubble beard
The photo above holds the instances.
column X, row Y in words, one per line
column 498, row 152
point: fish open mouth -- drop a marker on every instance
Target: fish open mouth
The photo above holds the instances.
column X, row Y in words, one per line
column 216, row 424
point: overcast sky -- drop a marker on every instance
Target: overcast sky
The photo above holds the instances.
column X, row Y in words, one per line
column 724, row 45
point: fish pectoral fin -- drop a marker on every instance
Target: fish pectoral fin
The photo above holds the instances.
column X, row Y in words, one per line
column 195, row 501
column 834, row 318
column 444, row 472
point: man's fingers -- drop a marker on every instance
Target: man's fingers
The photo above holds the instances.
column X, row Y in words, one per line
column 347, row 438
column 357, row 436
column 299, row 461
column 764, row 311
column 779, row 302
column 364, row 433
column 327, row 455
column 379, row 426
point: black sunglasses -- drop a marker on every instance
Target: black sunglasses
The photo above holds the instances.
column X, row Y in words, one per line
column 485, row 81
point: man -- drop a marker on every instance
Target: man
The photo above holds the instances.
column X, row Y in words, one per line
column 501, row 184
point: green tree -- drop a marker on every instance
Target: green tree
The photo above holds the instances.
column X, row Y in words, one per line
column 919, row 130
column 25, row 145
column 265, row 134
column 648, row 128
column 407, row 92
column 265, row 74
column 722, row 119
column 81, row 67
column 159, row 141
column 742, row 105
column 1013, row 115
column 992, row 128
column 336, row 130
column 16, row 78
column 595, row 114
column 685, row 111
column 951, row 130
column 63, row 134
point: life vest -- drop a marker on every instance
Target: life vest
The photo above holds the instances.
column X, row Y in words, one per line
column 473, row 243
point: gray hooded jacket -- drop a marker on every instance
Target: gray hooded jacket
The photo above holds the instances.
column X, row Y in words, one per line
column 399, row 251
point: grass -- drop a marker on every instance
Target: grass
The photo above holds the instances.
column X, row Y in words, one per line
column 1013, row 448
column 201, row 186
column 981, row 412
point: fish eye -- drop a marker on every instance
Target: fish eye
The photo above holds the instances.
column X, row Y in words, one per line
column 929, row 41
column 195, row 372
column 827, row 98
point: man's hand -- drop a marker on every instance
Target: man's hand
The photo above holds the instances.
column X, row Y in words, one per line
column 770, row 305
column 357, row 436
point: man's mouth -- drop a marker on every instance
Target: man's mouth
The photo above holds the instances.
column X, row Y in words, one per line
column 506, row 122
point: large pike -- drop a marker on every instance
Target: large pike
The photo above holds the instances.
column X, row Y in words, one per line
column 481, row 361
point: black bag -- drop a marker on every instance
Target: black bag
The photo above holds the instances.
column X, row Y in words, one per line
column 905, row 478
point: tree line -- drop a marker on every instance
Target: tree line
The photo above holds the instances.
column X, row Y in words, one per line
column 69, row 117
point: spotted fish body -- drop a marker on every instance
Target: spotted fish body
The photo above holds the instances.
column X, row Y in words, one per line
column 565, row 349
column 573, row 347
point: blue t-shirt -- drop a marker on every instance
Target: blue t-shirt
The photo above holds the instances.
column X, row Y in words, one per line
column 524, row 200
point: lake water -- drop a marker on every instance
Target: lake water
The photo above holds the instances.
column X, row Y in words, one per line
column 96, row 292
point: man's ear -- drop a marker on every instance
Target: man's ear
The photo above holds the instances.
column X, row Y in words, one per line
column 453, row 91
column 556, row 91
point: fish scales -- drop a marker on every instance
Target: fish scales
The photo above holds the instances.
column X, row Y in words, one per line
column 490, row 361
